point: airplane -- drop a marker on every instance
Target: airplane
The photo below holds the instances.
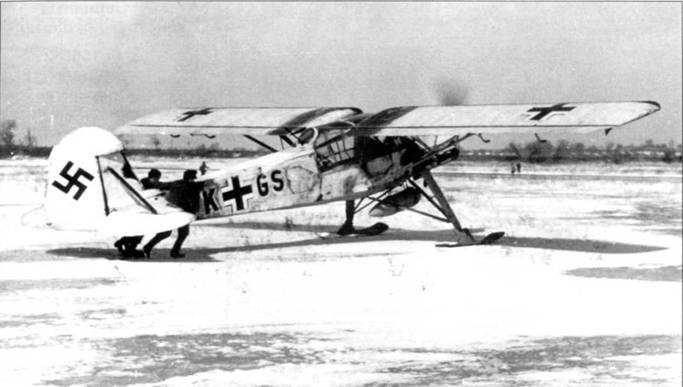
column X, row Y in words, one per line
column 328, row 154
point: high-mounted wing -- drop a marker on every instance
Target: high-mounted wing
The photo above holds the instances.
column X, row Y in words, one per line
column 495, row 119
column 397, row 121
column 248, row 121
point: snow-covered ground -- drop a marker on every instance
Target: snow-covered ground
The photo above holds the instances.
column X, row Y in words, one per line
column 585, row 289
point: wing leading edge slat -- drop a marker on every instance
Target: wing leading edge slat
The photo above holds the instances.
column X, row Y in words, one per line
column 498, row 119
column 398, row 121
column 251, row 121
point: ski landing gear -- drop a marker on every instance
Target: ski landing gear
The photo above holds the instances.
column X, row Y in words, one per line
column 347, row 229
column 463, row 235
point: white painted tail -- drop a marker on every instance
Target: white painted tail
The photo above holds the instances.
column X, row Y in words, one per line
column 87, row 189
column 74, row 198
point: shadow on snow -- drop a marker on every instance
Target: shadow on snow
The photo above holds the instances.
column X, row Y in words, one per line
column 205, row 254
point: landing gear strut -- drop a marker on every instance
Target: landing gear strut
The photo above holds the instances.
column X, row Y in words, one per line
column 463, row 235
column 347, row 227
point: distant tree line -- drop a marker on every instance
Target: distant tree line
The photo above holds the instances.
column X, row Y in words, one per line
column 27, row 146
column 9, row 145
column 564, row 151
column 534, row 151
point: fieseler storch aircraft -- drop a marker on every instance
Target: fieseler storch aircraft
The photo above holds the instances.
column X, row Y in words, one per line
column 329, row 154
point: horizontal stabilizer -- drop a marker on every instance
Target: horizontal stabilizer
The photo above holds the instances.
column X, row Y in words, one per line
column 132, row 223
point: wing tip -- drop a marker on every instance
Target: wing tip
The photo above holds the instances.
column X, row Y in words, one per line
column 653, row 103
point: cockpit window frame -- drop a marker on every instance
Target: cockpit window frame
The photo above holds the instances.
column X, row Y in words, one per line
column 334, row 148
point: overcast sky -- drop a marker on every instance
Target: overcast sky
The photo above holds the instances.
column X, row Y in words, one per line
column 104, row 64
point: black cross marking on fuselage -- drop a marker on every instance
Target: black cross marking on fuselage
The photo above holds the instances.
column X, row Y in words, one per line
column 544, row 111
column 191, row 113
column 72, row 180
column 237, row 192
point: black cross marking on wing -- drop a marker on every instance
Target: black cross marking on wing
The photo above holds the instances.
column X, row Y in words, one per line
column 72, row 180
column 236, row 193
column 191, row 113
column 541, row 111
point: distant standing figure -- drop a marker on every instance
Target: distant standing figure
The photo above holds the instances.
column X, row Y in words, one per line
column 519, row 168
column 184, row 194
column 203, row 168
column 512, row 168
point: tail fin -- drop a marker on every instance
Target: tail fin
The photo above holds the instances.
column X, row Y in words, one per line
column 85, row 191
column 74, row 198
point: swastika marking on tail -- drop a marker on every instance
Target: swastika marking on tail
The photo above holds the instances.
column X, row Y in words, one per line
column 72, row 180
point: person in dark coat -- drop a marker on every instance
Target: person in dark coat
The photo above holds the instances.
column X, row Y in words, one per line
column 184, row 194
column 153, row 180
column 127, row 245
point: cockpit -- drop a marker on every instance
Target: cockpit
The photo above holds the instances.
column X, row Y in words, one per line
column 335, row 146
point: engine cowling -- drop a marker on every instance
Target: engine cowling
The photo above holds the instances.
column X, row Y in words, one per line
column 399, row 201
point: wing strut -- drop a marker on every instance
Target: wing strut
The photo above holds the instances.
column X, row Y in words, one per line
column 263, row 144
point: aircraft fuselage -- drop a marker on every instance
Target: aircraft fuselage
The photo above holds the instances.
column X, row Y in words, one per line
column 292, row 178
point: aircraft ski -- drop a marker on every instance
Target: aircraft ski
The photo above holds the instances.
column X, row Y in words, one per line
column 376, row 229
column 487, row 240
column 328, row 154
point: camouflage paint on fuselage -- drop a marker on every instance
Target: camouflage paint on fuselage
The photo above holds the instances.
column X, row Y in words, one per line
column 292, row 178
